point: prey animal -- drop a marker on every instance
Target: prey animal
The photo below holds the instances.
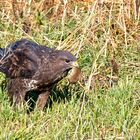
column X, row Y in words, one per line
column 29, row 66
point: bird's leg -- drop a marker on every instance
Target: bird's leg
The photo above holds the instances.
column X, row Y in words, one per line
column 42, row 100
column 16, row 91
column 18, row 98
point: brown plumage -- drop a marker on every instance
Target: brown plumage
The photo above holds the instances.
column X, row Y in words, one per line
column 29, row 66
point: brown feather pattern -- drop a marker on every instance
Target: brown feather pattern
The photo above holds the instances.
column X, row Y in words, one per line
column 29, row 66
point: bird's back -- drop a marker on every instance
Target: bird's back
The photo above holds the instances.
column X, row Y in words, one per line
column 19, row 59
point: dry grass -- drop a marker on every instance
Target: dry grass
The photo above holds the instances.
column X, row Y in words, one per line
column 114, row 22
column 104, row 35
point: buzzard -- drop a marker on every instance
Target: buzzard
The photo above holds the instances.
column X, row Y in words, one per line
column 29, row 66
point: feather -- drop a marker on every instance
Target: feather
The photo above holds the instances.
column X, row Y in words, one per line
column 30, row 66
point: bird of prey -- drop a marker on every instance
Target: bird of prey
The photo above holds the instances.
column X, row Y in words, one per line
column 29, row 66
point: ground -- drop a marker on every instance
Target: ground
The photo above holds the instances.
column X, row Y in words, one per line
column 105, row 103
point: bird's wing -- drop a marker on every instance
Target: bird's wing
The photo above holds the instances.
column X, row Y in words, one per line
column 21, row 61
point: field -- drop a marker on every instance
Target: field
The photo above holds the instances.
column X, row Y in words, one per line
column 105, row 103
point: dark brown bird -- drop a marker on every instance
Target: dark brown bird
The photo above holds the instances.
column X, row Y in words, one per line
column 29, row 66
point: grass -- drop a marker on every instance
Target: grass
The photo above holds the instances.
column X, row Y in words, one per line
column 105, row 103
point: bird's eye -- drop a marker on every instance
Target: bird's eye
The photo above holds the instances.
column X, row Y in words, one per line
column 67, row 61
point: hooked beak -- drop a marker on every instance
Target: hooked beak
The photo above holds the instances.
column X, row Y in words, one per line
column 73, row 64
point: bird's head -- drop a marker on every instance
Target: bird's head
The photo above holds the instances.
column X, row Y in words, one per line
column 66, row 64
